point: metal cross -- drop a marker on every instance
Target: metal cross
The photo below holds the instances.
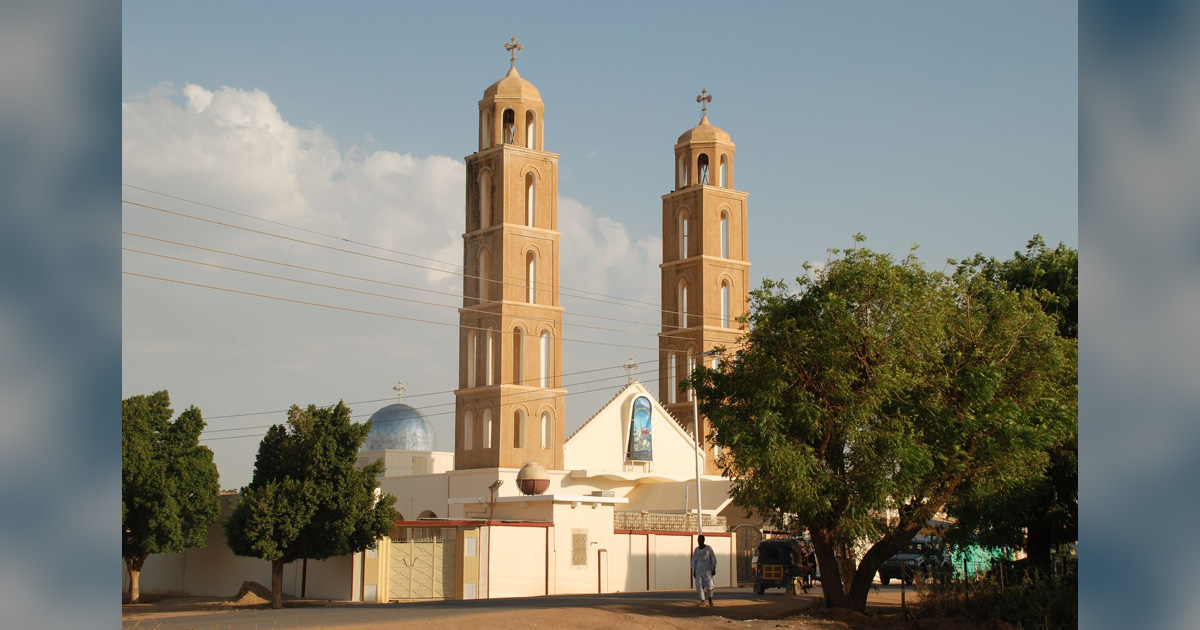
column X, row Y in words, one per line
column 399, row 389
column 512, row 47
column 705, row 98
column 630, row 366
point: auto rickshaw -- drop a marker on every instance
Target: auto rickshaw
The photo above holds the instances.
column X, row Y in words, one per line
column 777, row 564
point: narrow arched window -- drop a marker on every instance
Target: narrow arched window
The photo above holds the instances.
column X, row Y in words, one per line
column 519, row 429
column 547, row 426
column 472, row 356
column 518, row 356
column 683, row 235
column 702, row 169
column 724, row 234
column 724, row 304
column 530, row 199
column 682, row 294
column 468, row 431
column 530, row 130
column 509, row 126
column 487, row 428
column 691, row 367
column 489, row 370
column 544, row 360
column 485, row 206
column 671, row 379
column 679, row 169
column 482, row 274
column 531, row 277
column 724, row 171
column 483, row 139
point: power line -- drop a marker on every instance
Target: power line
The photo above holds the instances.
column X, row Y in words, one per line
column 363, row 311
column 457, row 296
column 550, row 286
column 379, row 295
column 503, row 398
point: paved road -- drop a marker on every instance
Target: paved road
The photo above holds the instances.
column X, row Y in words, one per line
column 735, row 603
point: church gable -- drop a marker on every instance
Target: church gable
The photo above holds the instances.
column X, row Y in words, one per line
column 631, row 432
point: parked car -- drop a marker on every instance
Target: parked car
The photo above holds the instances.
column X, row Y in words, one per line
column 777, row 564
column 923, row 556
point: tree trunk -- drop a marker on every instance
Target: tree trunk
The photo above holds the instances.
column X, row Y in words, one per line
column 277, row 583
column 1037, row 545
column 134, row 565
column 831, row 572
column 848, row 587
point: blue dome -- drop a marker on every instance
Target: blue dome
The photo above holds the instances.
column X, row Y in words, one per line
column 400, row 427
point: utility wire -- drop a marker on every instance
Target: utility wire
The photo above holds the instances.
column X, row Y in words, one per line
column 379, row 295
column 548, row 286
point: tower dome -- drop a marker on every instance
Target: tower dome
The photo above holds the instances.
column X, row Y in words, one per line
column 512, row 86
column 704, row 132
column 400, row 427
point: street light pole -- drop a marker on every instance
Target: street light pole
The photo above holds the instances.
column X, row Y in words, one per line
column 696, row 441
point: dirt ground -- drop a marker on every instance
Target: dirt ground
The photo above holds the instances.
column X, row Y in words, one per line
column 733, row 610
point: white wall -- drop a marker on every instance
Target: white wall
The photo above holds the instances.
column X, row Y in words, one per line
column 600, row 443
column 518, row 561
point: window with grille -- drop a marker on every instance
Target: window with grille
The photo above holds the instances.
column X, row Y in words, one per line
column 579, row 541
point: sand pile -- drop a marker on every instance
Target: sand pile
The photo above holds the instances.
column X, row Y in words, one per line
column 252, row 594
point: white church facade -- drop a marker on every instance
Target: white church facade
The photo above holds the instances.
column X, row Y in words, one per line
column 517, row 508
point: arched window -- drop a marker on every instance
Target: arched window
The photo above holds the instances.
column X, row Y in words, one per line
column 547, row 426
column 518, row 356
column 691, row 367
column 680, row 168
column 489, row 370
column 509, row 127
column 724, row 171
column 531, row 277
column 485, row 186
column 487, row 428
column 724, row 304
column 671, row 389
column 483, row 139
column 544, row 360
column 683, row 235
column 472, row 356
column 702, row 169
column 427, row 514
column 530, row 199
column 682, row 295
column 724, row 234
column 482, row 274
column 468, row 431
column 530, row 130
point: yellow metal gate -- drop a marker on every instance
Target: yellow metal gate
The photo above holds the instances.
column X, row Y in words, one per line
column 421, row 564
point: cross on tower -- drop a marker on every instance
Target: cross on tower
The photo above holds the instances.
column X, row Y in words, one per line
column 630, row 366
column 704, row 98
column 399, row 389
column 512, row 46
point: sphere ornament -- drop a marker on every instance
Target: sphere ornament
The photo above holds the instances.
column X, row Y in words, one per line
column 533, row 479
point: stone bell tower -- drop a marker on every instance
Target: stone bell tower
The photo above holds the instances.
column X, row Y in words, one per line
column 510, row 401
column 705, row 269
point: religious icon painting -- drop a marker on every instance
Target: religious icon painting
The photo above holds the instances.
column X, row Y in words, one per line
column 640, row 447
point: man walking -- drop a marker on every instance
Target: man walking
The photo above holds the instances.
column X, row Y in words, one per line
column 704, row 567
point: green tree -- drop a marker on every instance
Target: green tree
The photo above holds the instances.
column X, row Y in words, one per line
column 307, row 498
column 169, row 490
column 858, row 405
column 1043, row 512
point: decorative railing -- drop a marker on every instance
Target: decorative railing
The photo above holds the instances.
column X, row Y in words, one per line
column 658, row 522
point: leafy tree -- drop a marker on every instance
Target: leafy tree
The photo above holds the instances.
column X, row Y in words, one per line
column 307, row 498
column 169, row 491
column 861, row 403
column 1043, row 512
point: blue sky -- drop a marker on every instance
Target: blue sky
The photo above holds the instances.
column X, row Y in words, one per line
column 952, row 125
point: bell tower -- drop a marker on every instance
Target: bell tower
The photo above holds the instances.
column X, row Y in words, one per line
column 705, row 268
column 510, row 400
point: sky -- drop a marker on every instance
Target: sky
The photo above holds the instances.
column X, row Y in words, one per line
column 332, row 138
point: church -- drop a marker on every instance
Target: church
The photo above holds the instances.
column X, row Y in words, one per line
column 518, row 507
